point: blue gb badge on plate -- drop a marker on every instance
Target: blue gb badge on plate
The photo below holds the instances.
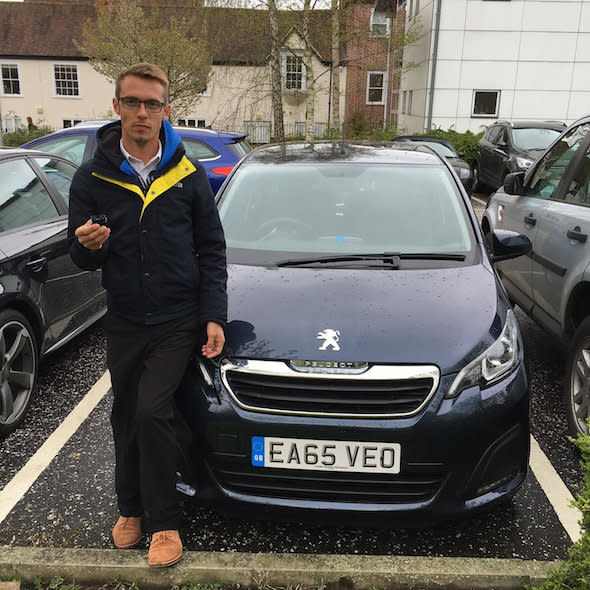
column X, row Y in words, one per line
column 258, row 451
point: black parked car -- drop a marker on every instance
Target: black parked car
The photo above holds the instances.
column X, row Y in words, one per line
column 510, row 147
column 444, row 148
column 373, row 368
column 45, row 300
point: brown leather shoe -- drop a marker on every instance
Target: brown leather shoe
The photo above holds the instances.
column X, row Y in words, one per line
column 127, row 532
column 165, row 549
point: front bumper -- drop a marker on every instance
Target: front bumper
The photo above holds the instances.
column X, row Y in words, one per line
column 457, row 456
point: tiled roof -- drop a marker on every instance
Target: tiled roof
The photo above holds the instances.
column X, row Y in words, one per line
column 45, row 29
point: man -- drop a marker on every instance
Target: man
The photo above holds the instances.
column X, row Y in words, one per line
column 146, row 214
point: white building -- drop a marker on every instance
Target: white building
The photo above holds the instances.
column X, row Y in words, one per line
column 483, row 60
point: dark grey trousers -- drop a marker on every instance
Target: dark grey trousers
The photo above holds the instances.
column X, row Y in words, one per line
column 147, row 364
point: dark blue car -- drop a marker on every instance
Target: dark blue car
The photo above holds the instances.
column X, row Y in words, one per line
column 373, row 370
column 218, row 151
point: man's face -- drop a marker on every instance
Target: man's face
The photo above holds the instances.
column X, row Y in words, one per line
column 140, row 127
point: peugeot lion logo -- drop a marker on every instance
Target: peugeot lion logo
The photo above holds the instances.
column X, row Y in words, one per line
column 330, row 338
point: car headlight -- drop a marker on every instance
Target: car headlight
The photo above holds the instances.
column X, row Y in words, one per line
column 463, row 172
column 523, row 162
column 501, row 358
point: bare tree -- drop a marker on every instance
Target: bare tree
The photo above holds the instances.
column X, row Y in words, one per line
column 335, row 66
column 309, row 80
column 275, row 72
column 125, row 32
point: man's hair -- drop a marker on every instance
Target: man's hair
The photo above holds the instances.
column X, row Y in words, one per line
column 148, row 72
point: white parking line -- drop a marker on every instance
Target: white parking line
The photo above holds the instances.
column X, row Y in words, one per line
column 18, row 486
column 556, row 491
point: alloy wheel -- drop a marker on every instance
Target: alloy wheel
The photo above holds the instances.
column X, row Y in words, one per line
column 580, row 387
column 18, row 369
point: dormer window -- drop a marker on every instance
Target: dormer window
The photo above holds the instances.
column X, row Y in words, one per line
column 294, row 72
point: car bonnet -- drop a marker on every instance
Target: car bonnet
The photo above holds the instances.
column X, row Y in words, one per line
column 441, row 316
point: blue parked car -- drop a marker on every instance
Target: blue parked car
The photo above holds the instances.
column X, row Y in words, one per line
column 373, row 369
column 218, row 151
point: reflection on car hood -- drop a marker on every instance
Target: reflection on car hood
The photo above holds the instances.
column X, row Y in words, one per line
column 458, row 163
column 439, row 316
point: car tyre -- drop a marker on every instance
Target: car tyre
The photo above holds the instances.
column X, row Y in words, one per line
column 576, row 390
column 19, row 357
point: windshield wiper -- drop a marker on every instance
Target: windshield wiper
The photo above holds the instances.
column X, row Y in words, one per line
column 389, row 258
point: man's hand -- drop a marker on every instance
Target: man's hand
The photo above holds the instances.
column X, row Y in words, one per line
column 92, row 235
column 215, row 340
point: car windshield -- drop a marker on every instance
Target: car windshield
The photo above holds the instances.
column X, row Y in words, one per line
column 534, row 139
column 322, row 209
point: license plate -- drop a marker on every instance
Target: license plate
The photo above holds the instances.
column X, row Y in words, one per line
column 326, row 455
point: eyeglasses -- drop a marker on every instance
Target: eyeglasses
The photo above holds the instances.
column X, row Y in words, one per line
column 132, row 103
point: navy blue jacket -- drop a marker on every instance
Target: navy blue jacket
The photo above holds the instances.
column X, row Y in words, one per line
column 165, row 257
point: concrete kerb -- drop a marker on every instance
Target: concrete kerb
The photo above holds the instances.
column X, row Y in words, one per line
column 361, row 572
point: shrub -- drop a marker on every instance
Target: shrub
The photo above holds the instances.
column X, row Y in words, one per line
column 574, row 573
column 21, row 136
column 463, row 142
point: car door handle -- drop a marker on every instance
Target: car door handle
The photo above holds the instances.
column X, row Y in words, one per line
column 530, row 220
column 37, row 264
column 576, row 234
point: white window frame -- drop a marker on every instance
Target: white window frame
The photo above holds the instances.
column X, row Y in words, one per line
column 374, row 24
column 285, row 59
column 486, row 115
column 383, row 87
column 20, row 86
column 67, row 64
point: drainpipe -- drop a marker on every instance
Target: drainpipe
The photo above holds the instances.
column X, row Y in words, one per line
column 387, row 84
column 433, row 70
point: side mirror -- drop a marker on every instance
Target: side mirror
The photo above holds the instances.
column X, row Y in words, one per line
column 514, row 183
column 506, row 244
column 461, row 154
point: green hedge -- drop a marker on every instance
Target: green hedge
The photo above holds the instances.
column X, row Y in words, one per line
column 21, row 136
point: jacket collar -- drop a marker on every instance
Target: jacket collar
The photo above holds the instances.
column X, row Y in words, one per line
column 108, row 140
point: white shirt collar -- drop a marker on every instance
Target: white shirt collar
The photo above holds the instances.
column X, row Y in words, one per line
column 142, row 169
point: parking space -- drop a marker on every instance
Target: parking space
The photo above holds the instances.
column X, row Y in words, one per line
column 72, row 504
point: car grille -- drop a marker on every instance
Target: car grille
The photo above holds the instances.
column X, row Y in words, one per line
column 379, row 391
column 419, row 483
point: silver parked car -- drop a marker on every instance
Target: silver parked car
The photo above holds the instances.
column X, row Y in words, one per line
column 550, row 203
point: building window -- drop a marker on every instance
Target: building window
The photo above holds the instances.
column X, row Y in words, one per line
column 10, row 80
column 70, row 122
column 294, row 72
column 379, row 24
column 10, row 124
column 191, row 122
column 66, row 80
column 485, row 103
column 410, row 98
column 375, row 87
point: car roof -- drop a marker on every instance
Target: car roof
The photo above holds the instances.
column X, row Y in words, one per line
column 86, row 126
column 433, row 138
column 555, row 125
column 12, row 151
column 343, row 152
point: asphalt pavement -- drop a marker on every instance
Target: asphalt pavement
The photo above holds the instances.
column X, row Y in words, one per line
column 60, row 523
